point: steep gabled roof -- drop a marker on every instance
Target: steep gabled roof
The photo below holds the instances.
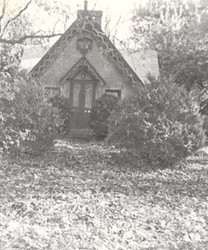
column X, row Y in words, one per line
column 106, row 46
column 143, row 62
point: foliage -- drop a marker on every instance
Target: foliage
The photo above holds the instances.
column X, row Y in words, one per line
column 32, row 21
column 10, row 58
column 26, row 120
column 61, row 202
column 158, row 126
column 61, row 106
column 100, row 114
column 178, row 31
column 9, row 65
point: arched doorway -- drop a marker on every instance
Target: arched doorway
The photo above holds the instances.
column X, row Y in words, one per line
column 82, row 98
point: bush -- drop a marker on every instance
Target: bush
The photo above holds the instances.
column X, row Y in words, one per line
column 100, row 114
column 157, row 126
column 62, row 111
column 26, row 121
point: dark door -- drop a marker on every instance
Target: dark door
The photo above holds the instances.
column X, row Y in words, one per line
column 82, row 96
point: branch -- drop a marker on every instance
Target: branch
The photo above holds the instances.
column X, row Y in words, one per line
column 15, row 17
column 26, row 37
column 2, row 12
column 203, row 92
column 3, row 9
column 58, row 21
column 115, row 33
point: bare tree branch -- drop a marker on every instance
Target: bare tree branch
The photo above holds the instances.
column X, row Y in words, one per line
column 106, row 27
column 58, row 21
column 15, row 17
column 3, row 9
column 95, row 5
column 2, row 13
column 116, row 30
column 26, row 37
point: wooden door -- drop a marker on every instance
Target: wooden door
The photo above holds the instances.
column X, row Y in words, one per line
column 82, row 96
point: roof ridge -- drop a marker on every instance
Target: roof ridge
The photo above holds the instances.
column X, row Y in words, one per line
column 94, row 29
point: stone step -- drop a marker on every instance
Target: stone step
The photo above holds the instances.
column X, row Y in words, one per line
column 82, row 134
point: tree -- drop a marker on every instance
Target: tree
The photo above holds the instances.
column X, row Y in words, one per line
column 26, row 118
column 21, row 21
column 178, row 31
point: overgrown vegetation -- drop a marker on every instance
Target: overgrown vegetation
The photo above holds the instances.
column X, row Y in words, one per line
column 100, row 114
column 78, row 197
column 26, row 120
column 25, row 116
column 177, row 30
column 158, row 126
column 62, row 112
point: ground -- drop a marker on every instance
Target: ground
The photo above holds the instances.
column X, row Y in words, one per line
column 76, row 197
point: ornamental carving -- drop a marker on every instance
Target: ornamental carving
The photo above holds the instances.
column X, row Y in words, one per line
column 84, row 45
column 82, row 65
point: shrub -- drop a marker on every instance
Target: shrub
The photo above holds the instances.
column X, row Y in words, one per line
column 61, row 108
column 100, row 114
column 26, row 120
column 157, row 126
column 9, row 61
column 204, row 112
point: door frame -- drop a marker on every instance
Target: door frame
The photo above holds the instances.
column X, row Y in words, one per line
column 81, row 108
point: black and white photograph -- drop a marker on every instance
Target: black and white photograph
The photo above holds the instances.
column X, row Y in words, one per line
column 103, row 124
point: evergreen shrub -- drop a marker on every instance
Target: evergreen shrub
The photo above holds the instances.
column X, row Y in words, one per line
column 157, row 126
column 26, row 122
column 62, row 113
column 100, row 114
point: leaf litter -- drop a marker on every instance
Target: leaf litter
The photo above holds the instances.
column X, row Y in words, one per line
column 77, row 198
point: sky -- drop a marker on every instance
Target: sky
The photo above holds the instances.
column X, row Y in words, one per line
column 114, row 9
column 118, row 12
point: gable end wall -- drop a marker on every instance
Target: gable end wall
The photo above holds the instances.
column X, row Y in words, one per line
column 112, row 76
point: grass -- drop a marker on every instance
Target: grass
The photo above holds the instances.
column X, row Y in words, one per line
column 77, row 198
